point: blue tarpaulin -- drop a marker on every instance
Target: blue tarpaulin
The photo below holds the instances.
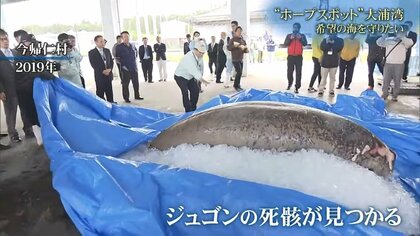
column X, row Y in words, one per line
column 104, row 195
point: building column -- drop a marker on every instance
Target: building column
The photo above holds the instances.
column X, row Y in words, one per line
column 2, row 18
column 110, row 21
column 239, row 12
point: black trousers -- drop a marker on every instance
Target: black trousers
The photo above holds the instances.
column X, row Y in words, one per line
column 371, row 67
column 317, row 72
column 212, row 61
column 190, row 92
column 83, row 81
column 119, row 69
column 221, row 64
column 294, row 62
column 128, row 76
column 104, row 87
column 239, row 66
column 27, row 107
column 346, row 72
column 406, row 63
column 147, row 67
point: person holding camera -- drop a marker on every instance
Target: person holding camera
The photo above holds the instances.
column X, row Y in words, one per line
column 331, row 48
column 24, row 89
column 295, row 43
column 396, row 46
column 69, row 67
column 375, row 56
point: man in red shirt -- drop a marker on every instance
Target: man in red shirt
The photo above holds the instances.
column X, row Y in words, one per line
column 295, row 43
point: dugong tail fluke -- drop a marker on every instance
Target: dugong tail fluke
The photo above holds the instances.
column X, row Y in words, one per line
column 285, row 127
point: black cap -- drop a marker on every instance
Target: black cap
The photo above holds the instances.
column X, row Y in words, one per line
column 28, row 38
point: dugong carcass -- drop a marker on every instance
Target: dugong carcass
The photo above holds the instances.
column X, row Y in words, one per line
column 281, row 126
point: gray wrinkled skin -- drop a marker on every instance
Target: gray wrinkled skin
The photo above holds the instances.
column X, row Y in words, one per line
column 285, row 127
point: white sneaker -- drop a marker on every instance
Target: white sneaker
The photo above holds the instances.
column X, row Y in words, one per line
column 37, row 131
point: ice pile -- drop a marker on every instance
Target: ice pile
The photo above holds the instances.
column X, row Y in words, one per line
column 309, row 171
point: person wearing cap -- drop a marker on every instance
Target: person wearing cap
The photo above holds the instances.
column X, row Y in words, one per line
column 187, row 74
column 18, row 35
column 69, row 69
column 72, row 41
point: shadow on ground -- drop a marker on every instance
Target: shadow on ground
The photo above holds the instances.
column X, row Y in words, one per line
column 28, row 203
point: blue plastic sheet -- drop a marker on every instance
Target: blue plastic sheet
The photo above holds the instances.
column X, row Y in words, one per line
column 104, row 195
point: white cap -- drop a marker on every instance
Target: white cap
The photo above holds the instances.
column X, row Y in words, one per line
column 201, row 46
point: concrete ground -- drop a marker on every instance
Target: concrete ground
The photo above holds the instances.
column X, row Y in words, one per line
column 30, row 206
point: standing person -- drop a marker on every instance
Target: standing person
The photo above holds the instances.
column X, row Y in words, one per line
column 233, row 25
column 271, row 48
column 160, row 50
column 260, row 50
column 348, row 57
column 8, row 90
column 79, row 57
column 3, row 97
column 197, row 40
column 187, row 44
column 127, row 55
column 221, row 57
column 24, row 88
column 114, row 54
column 316, row 58
column 187, row 73
column 146, row 60
column 396, row 50
column 375, row 56
column 252, row 48
column 237, row 46
column 331, row 48
column 100, row 59
column 413, row 36
column 69, row 68
column 229, row 64
column 295, row 43
column 212, row 53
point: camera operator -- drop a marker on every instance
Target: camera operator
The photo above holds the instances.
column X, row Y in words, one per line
column 295, row 43
column 69, row 67
column 24, row 87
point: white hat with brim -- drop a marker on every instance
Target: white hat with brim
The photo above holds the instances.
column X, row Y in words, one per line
column 201, row 46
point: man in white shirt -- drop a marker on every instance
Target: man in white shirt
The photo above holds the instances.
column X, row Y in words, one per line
column 188, row 73
column 100, row 59
column 146, row 60
column 396, row 49
column 160, row 50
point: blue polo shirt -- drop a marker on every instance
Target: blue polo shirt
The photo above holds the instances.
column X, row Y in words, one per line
column 127, row 56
